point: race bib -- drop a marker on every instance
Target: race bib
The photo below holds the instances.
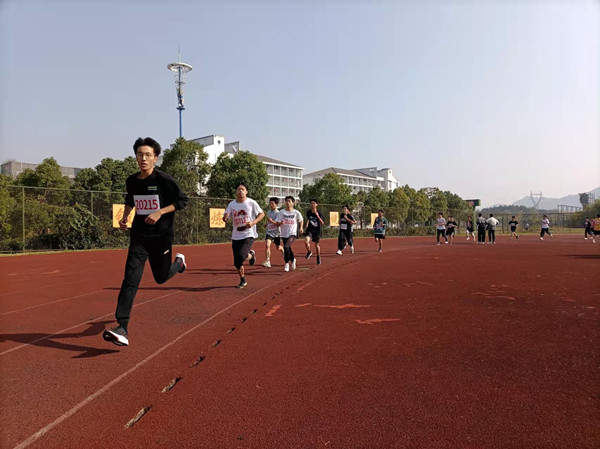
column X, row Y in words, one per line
column 271, row 227
column 146, row 204
column 343, row 226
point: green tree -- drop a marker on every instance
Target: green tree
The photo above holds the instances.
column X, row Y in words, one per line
column 228, row 172
column 46, row 174
column 438, row 201
column 8, row 205
column 398, row 204
column 419, row 207
column 376, row 198
column 186, row 162
column 330, row 189
column 88, row 179
column 113, row 173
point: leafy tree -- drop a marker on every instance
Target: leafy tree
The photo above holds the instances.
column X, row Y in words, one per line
column 88, row 179
column 330, row 189
column 186, row 162
column 228, row 172
column 359, row 197
column 438, row 201
column 398, row 204
column 8, row 203
column 46, row 174
column 419, row 207
column 376, row 198
column 113, row 173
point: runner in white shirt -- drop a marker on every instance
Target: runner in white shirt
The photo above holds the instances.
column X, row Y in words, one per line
column 245, row 213
column 491, row 225
column 289, row 220
column 545, row 227
column 273, row 234
column 441, row 228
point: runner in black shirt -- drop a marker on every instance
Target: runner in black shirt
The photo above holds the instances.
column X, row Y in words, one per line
column 345, row 236
column 314, row 223
column 513, row 228
column 156, row 197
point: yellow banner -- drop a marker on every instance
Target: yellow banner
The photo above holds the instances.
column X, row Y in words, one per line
column 118, row 210
column 373, row 217
column 216, row 218
column 334, row 218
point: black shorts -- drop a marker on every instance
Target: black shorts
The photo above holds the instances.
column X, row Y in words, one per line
column 596, row 232
column 450, row 231
column 513, row 229
column 314, row 236
column 380, row 236
column 470, row 229
column 241, row 249
column 276, row 240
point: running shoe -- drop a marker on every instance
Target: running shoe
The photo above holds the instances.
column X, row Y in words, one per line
column 293, row 264
column 338, row 252
column 380, row 250
column 352, row 249
column 318, row 260
column 308, row 254
column 253, row 257
column 286, row 267
column 267, row 263
column 541, row 238
column 183, row 264
column 117, row 335
column 242, row 283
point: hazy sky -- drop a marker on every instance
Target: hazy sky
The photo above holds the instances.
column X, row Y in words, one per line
column 488, row 99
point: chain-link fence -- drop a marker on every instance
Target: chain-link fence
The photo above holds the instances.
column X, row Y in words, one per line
column 42, row 219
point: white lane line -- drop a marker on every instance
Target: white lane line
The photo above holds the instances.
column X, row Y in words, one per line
column 51, row 302
column 40, row 433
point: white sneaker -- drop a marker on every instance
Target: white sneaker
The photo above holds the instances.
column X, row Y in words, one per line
column 293, row 264
column 446, row 242
column 541, row 238
column 267, row 263
column 286, row 267
column 183, row 264
column 338, row 252
column 352, row 249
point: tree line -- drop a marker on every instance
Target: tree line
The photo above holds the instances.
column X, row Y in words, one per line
column 59, row 215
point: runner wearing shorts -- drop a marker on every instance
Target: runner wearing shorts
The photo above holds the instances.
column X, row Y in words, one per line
column 156, row 197
column 314, row 223
column 596, row 228
column 513, row 228
column 245, row 213
column 452, row 225
column 289, row 221
column 273, row 234
column 470, row 228
column 379, row 226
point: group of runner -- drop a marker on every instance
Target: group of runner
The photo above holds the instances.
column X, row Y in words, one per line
column 155, row 196
column 447, row 228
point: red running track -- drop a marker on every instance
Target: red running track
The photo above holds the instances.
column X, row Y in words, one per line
column 457, row 346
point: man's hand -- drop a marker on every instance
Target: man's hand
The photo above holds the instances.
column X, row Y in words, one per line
column 153, row 218
column 123, row 224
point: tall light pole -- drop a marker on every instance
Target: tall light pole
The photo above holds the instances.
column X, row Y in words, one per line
column 180, row 69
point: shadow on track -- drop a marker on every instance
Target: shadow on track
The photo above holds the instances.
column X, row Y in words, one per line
column 49, row 340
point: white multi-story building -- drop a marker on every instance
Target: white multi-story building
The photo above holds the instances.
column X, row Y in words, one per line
column 284, row 178
column 15, row 168
column 365, row 179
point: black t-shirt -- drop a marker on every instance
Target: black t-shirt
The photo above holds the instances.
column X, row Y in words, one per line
column 313, row 224
column 513, row 224
column 149, row 195
column 451, row 225
column 344, row 223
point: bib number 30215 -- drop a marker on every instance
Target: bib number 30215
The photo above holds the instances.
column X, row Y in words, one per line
column 146, row 204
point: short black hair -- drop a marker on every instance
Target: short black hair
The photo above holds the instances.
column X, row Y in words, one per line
column 241, row 183
column 310, row 201
column 274, row 199
column 147, row 142
column 491, row 215
column 381, row 210
column 346, row 206
column 290, row 197
column 513, row 216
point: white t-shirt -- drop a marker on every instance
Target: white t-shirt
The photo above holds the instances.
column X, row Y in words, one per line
column 545, row 223
column 242, row 213
column 290, row 220
column 441, row 223
column 492, row 223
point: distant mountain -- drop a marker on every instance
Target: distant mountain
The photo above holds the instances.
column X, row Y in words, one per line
column 552, row 203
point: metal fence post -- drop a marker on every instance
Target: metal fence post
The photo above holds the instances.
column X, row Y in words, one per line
column 23, row 217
